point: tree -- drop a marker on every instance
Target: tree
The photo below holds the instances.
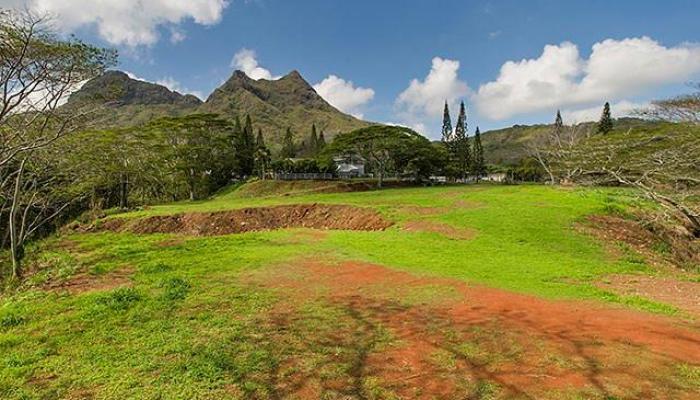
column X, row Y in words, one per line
column 313, row 141
column 245, row 148
column 196, row 147
column 605, row 125
column 558, row 124
column 37, row 71
column 321, row 143
column 262, row 156
column 386, row 149
column 550, row 149
column 460, row 148
column 684, row 108
column 478, row 163
column 446, row 126
column 288, row 148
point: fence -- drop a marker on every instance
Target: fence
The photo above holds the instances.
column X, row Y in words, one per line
column 294, row 176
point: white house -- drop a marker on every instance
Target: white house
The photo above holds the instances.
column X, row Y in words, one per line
column 350, row 166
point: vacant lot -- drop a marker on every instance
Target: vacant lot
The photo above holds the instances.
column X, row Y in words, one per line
column 479, row 292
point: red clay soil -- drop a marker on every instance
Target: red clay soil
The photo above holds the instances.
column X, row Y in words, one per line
column 316, row 216
column 457, row 346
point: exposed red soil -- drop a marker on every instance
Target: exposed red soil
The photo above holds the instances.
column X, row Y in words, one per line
column 85, row 282
column 438, row 227
column 528, row 347
column 683, row 294
column 316, row 216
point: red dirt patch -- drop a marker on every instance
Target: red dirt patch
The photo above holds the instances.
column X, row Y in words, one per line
column 683, row 294
column 443, row 229
column 85, row 282
column 520, row 345
column 316, row 216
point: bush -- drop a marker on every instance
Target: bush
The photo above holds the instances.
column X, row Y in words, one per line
column 120, row 299
column 175, row 289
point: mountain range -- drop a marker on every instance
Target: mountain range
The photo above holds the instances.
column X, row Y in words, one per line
column 274, row 105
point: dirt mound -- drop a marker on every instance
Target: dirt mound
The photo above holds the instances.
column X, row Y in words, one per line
column 655, row 241
column 479, row 343
column 316, row 216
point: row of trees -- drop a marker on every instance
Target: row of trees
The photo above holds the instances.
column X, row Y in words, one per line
column 308, row 148
column 465, row 158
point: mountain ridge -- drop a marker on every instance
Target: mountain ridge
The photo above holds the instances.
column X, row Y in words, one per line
column 274, row 105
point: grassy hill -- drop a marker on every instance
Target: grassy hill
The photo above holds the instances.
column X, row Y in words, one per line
column 508, row 146
column 466, row 284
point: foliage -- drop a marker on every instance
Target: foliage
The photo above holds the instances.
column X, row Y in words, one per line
column 288, row 146
column 605, row 125
column 478, row 162
column 388, row 149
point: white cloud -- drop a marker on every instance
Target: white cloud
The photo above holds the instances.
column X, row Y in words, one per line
column 422, row 103
column 428, row 96
column 176, row 86
column 177, row 36
column 127, row 22
column 246, row 60
column 560, row 77
column 343, row 94
column 620, row 109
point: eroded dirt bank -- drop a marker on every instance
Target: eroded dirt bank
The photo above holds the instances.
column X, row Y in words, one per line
column 318, row 216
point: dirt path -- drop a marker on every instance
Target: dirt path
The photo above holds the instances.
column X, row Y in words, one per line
column 400, row 335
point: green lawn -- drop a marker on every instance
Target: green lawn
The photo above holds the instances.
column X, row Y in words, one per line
column 187, row 326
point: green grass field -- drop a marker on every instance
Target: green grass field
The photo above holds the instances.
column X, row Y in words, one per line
column 188, row 324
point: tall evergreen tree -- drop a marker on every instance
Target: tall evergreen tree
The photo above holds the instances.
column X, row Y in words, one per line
column 478, row 162
column 558, row 124
column 446, row 125
column 605, row 124
column 321, row 144
column 262, row 156
column 260, row 140
column 245, row 148
column 312, row 145
column 461, row 154
column 288, row 150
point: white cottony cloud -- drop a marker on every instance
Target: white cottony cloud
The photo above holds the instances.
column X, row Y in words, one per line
column 560, row 77
column 127, row 22
column 246, row 60
column 620, row 109
column 169, row 83
column 428, row 96
column 421, row 104
column 343, row 94
column 176, row 86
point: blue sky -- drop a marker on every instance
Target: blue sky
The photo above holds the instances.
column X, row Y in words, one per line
column 398, row 61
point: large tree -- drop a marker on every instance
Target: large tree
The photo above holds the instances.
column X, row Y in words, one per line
column 386, row 149
column 37, row 72
column 196, row 147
